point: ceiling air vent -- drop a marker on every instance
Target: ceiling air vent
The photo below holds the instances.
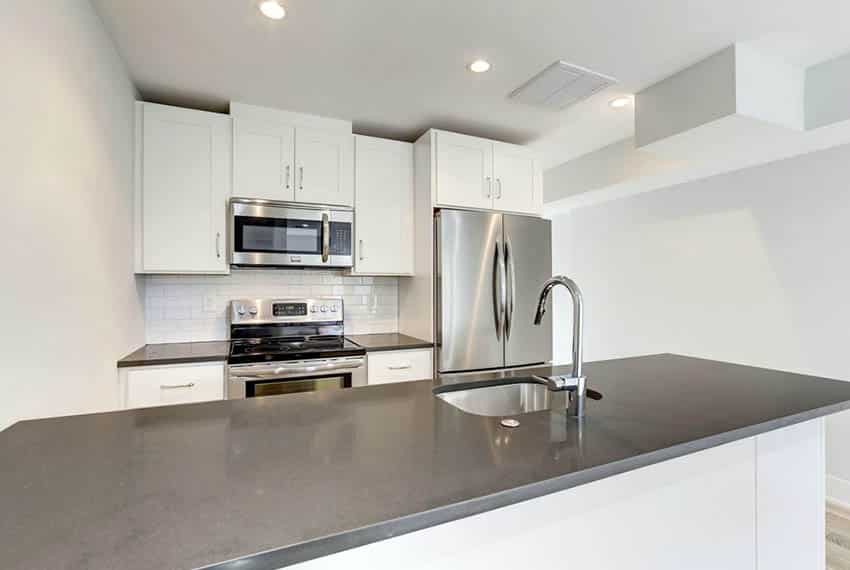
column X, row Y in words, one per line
column 560, row 85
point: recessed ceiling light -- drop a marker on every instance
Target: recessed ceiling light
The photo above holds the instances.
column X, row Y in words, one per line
column 479, row 66
column 620, row 102
column 272, row 9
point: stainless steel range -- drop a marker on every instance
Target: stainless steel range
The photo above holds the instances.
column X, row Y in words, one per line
column 285, row 346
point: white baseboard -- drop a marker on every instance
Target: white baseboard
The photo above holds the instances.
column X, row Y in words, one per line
column 838, row 491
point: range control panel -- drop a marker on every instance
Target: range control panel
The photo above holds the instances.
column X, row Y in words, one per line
column 248, row 311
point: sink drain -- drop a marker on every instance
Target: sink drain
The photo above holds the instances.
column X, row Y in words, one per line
column 509, row 423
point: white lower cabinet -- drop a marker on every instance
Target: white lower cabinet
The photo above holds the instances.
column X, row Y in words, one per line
column 400, row 365
column 753, row 504
column 147, row 386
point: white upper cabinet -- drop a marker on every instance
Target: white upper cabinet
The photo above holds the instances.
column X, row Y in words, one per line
column 478, row 173
column 263, row 160
column 183, row 179
column 383, row 207
column 290, row 157
column 324, row 167
column 515, row 178
column 464, row 171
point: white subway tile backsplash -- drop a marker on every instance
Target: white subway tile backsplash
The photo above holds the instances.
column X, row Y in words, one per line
column 183, row 308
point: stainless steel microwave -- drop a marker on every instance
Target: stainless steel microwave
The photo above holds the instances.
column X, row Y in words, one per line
column 285, row 234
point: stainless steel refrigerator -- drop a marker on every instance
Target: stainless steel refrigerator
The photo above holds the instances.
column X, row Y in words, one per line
column 489, row 272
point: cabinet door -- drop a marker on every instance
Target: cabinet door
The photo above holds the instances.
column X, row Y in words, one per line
column 464, row 171
column 179, row 384
column 182, row 190
column 263, row 160
column 383, row 189
column 515, row 179
column 324, row 167
column 400, row 366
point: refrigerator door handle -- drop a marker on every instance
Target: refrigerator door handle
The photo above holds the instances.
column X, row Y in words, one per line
column 499, row 291
column 510, row 278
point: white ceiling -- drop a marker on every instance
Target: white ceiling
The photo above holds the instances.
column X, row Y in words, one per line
column 397, row 67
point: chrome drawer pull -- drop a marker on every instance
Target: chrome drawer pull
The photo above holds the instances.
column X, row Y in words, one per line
column 176, row 386
column 399, row 367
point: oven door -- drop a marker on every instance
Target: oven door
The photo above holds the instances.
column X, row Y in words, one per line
column 276, row 378
column 282, row 234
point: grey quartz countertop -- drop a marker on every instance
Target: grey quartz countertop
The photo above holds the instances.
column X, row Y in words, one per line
column 387, row 341
column 274, row 481
column 177, row 353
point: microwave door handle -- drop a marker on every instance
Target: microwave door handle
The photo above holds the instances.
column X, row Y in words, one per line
column 326, row 237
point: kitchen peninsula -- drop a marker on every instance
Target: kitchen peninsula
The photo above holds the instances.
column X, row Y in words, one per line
column 674, row 467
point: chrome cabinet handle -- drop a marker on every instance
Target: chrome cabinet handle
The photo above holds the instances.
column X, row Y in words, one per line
column 498, row 188
column 301, row 176
column 361, row 250
column 399, row 367
column 176, row 386
column 287, row 176
column 326, row 237
column 489, row 186
column 218, row 245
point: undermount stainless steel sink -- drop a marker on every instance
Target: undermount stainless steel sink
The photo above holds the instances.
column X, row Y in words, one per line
column 502, row 399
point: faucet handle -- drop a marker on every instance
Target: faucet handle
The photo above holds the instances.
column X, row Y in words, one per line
column 562, row 382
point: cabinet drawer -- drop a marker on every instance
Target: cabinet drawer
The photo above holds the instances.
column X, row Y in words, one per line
column 400, row 366
column 181, row 384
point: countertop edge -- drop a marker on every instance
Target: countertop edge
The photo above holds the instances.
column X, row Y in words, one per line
column 165, row 361
column 424, row 344
column 324, row 546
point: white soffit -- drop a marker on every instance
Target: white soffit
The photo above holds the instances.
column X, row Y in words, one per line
column 828, row 92
column 737, row 93
column 757, row 132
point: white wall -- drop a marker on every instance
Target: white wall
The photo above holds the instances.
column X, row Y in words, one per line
column 748, row 267
column 70, row 303
column 182, row 308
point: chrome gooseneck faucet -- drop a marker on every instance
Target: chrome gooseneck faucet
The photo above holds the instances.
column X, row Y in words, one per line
column 576, row 382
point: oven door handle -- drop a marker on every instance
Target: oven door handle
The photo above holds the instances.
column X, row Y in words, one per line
column 296, row 369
